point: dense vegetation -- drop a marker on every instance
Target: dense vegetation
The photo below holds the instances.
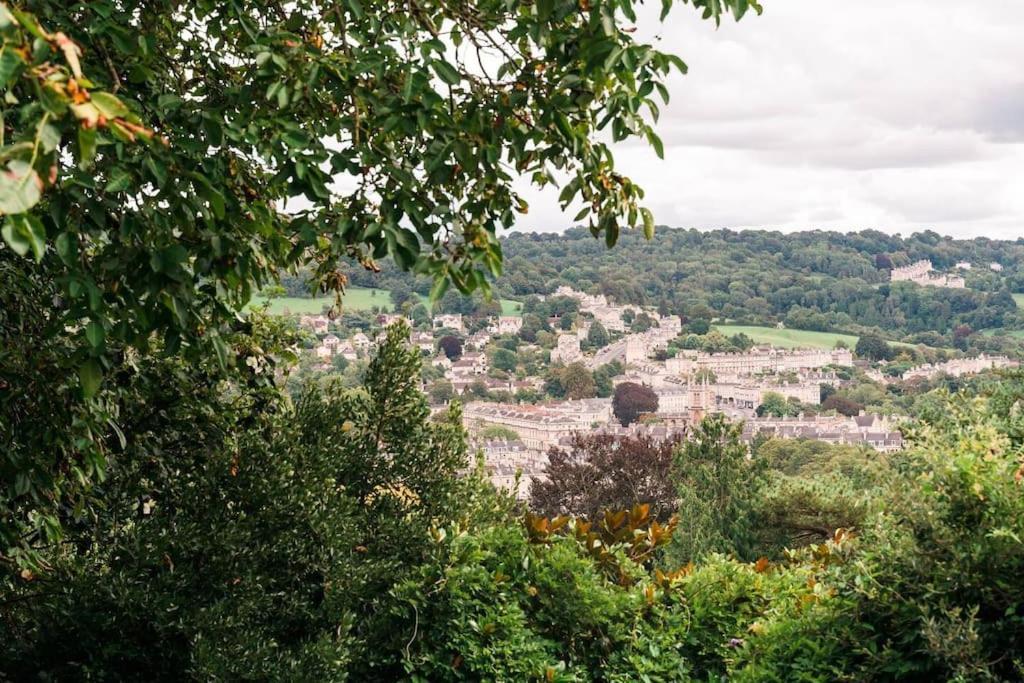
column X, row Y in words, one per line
column 277, row 541
column 168, row 512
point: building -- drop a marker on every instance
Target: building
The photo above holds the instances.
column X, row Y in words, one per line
column 567, row 349
column 958, row 367
column 874, row 431
column 361, row 342
column 921, row 273
column 317, row 323
column 539, row 426
column 507, row 324
column 450, row 321
column 423, row 341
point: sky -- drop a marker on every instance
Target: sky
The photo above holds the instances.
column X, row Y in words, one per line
column 896, row 115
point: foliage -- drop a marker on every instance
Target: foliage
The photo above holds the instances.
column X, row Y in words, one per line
column 451, row 346
column 503, row 359
column 776, row 405
column 254, row 548
column 718, row 490
column 597, row 336
column 578, row 382
column 598, row 472
column 329, row 540
column 873, row 347
column 631, row 400
column 757, row 278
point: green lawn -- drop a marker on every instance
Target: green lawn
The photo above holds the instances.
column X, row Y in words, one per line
column 789, row 339
column 509, row 307
column 356, row 299
column 1019, row 298
column 1016, row 334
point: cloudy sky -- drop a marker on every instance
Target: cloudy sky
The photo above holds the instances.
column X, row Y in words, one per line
column 898, row 115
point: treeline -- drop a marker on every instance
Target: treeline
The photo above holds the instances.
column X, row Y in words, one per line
column 808, row 280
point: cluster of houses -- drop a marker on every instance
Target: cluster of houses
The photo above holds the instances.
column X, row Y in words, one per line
column 958, row 367
column 876, row 431
column 330, row 345
column 922, row 273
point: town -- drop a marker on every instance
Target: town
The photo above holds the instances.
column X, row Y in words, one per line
column 515, row 417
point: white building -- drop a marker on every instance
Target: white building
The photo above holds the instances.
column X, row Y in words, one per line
column 451, row 321
column 567, row 350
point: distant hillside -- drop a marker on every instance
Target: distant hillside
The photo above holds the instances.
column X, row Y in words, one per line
column 816, row 280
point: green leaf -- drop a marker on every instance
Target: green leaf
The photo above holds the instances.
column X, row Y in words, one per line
column 20, row 188
column 67, row 248
column 446, row 72
column 91, row 377
column 648, row 223
column 17, row 240
column 120, row 180
column 11, row 64
column 95, row 334
column 659, row 147
column 109, row 105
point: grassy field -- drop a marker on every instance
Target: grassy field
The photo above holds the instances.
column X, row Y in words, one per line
column 1019, row 298
column 789, row 339
column 1016, row 334
column 509, row 307
column 356, row 299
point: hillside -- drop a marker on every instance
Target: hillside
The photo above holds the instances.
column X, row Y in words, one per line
column 813, row 281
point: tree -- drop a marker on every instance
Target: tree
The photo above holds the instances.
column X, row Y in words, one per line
column 599, row 472
column 440, row 392
column 578, row 382
column 632, row 400
column 603, row 378
column 842, row 405
column 451, row 346
column 718, row 489
column 698, row 326
column 149, row 150
column 641, row 322
column 503, row 359
column 597, row 336
column 873, row 347
column 775, row 405
column 961, row 335
column 238, row 531
column 401, row 293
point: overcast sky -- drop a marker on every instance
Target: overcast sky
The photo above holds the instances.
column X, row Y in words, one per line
column 898, row 115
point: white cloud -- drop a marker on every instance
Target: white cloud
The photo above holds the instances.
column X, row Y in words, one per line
column 898, row 116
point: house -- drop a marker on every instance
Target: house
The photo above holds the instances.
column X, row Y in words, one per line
column 317, row 323
column 508, row 324
column 389, row 319
column 450, row 321
column 567, row 350
column 423, row 341
column 441, row 361
column 361, row 342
